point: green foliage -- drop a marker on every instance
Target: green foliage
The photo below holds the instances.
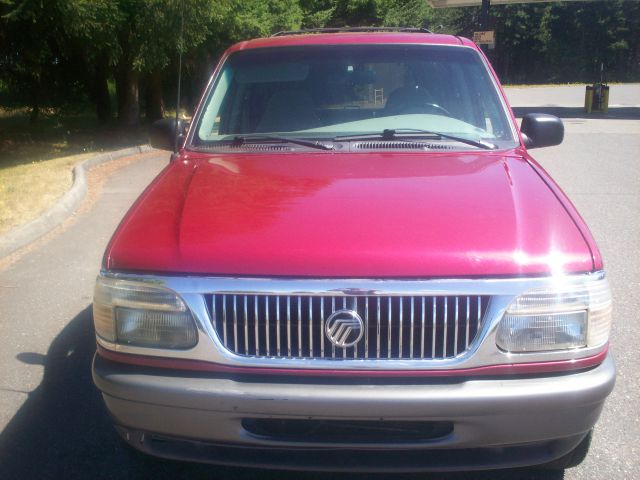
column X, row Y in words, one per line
column 255, row 18
column 317, row 14
column 406, row 13
column 567, row 41
column 147, row 30
column 340, row 13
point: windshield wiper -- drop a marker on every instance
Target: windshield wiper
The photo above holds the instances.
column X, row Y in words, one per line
column 395, row 134
column 242, row 139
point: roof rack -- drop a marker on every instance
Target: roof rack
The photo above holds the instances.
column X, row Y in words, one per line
column 351, row 29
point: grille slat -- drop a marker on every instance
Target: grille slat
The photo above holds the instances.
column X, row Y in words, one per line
column 366, row 328
column 389, row 328
column 266, row 328
column 466, row 333
column 235, row 323
column 455, row 335
column 355, row 347
column 344, row 306
column 411, row 344
column 321, row 326
column 395, row 327
column 422, row 330
column 311, row 327
column 378, row 332
column 246, row 325
column 433, row 327
column 400, row 330
column 256, row 331
column 446, row 325
column 333, row 309
column 278, row 324
column 288, row 326
column 224, row 320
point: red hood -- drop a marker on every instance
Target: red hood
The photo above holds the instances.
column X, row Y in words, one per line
column 350, row 215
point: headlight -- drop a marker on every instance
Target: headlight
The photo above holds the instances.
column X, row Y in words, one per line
column 144, row 315
column 571, row 313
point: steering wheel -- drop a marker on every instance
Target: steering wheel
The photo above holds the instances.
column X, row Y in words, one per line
column 421, row 107
column 427, row 107
column 437, row 108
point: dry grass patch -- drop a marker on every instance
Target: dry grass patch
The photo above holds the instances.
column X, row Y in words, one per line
column 27, row 190
column 36, row 161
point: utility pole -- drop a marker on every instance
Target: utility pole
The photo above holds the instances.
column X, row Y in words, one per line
column 176, row 127
column 484, row 22
column 484, row 14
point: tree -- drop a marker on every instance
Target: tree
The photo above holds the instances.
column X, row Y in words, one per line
column 134, row 41
column 31, row 65
column 406, row 13
column 91, row 47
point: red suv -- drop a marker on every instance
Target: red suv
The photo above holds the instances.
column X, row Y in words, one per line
column 353, row 263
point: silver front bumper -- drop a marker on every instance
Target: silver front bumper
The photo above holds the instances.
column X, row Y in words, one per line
column 485, row 412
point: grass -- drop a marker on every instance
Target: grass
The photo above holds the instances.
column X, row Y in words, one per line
column 36, row 161
column 29, row 189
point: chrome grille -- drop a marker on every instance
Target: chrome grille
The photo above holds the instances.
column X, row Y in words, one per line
column 395, row 327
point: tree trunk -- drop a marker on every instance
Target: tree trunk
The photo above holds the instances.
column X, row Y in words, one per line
column 101, row 97
column 35, row 101
column 154, row 104
column 35, row 113
column 127, row 94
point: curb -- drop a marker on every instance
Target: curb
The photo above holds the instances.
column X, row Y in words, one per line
column 67, row 204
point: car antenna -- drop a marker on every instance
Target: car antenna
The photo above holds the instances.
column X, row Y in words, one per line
column 180, row 43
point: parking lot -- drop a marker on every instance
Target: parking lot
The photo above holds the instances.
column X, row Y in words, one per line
column 52, row 421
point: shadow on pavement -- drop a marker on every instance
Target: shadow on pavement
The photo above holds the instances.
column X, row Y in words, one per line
column 63, row 431
column 614, row 113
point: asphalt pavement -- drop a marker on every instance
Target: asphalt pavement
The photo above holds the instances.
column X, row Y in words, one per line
column 52, row 420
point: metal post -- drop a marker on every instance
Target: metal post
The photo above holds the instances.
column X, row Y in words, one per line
column 180, row 46
column 484, row 14
column 484, row 21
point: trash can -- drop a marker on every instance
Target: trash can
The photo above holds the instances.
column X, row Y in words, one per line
column 588, row 99
column 596, row 98
column 604, row 99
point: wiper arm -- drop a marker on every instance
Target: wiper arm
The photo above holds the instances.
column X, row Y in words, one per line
column 241, row 139
column 393, row 134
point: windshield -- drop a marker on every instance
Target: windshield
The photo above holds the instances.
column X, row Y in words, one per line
column 322, row 92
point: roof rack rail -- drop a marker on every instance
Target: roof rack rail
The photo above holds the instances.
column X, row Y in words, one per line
column 351, row 29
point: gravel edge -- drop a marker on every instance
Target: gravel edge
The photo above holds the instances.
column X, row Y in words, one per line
column 24, row 234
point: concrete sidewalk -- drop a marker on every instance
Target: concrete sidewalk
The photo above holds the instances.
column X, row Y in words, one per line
column 623, row 95
column 568, row 102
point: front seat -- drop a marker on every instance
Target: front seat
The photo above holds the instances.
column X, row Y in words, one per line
column 408, row 99
column 288, row 110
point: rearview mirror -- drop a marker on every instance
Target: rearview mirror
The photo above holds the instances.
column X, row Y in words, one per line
column 162, row 134
column 541, row 130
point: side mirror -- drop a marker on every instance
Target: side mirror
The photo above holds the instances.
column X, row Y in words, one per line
column 162, row 134
column 541, row 130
